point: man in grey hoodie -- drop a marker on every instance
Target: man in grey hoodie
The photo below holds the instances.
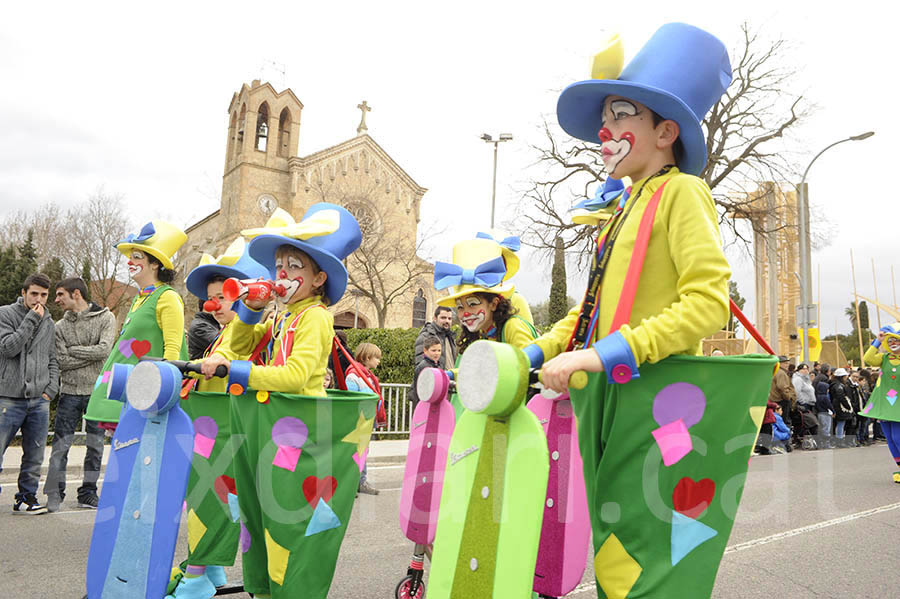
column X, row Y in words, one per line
column 29, row 379
column 84, row 337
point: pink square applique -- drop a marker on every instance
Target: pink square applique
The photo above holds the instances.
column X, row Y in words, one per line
column 286, row 457
column 674, row 441
column 203, row 445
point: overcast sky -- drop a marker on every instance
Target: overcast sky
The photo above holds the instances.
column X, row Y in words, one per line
column 136, row 99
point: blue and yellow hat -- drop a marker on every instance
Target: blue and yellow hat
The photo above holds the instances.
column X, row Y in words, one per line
column 679, row 74
column 328, row 233
column 478, row 266
column 235, row 262
column 157, row 238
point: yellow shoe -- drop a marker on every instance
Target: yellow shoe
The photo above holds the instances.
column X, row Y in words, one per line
column 897, row 477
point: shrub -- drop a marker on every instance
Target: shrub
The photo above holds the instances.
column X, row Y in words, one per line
column 397, row 349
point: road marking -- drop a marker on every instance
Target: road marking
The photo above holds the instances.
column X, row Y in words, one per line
column 397, row 467
column 804, row 529
column 588, row 586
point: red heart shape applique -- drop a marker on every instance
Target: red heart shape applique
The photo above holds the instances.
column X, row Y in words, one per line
column 314, row 488
column 223, row 486
column 140, row 348
column 691, row 498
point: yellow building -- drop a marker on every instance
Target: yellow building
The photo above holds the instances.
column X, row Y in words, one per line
column 262, row 171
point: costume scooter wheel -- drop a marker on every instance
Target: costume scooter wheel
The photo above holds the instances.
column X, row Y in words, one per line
column 403, row 589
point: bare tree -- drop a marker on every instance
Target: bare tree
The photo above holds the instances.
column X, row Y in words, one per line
column 387, row 267
column 87, row 230
column 743, row 127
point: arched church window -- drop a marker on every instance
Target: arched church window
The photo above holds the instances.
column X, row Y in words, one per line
column 242, row 121
column 284, row 133
column 262, row 127
column 367, row 216
column 232, row 134
column 420, row 309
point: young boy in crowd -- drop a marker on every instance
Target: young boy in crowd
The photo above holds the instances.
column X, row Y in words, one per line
column 308, row 261
column 431, row 350
column 647, row 119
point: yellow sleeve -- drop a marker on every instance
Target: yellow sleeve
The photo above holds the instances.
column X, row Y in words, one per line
column 517, row 333
column 304, row 370
column 242, row 340
column 554, row 342
column 695, row 249
column 872, row 357
column 170, row 318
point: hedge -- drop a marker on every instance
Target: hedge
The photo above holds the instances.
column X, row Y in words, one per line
column 397, row 351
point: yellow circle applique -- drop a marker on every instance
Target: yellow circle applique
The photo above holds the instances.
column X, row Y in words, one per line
column 262, row 396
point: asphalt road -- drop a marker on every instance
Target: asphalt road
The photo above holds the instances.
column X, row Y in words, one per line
column 811, row 524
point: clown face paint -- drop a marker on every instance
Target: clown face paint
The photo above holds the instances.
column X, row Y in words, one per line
column 295, row 272
column 893, row 344
column 137, row 263
column 223, row 313
column 615, row 150
column 473, row 312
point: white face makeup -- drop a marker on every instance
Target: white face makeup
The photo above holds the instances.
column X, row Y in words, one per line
column 893, row 344
column 614, row 149
column 136, row 264
column 297, row 276
column 472, row 312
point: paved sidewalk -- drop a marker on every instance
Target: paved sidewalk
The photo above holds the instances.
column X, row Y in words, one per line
column 380, row 453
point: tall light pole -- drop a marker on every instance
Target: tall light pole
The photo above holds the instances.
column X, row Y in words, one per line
column 487, row 138
column 803, row 224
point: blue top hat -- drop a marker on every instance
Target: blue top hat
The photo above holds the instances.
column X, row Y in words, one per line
column 679, row 74
column 235, row 262
column 327, row 233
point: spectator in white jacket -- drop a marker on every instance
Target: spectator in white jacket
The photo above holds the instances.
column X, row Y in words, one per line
column 806, row 395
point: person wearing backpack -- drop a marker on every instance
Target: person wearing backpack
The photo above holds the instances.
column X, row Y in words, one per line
column 361, row 379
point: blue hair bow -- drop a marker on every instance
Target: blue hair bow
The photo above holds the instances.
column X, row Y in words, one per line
column 486, row 274
column 512, row 243
column 146, row 232
column 611, row 190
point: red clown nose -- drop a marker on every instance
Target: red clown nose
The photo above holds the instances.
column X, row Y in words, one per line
column 211, row 305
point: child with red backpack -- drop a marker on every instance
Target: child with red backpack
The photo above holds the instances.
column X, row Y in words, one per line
column 368, row 355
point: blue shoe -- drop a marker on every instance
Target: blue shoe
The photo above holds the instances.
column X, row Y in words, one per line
column 196, row 587
column 216, row 575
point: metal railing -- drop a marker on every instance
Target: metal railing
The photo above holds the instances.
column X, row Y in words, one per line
column 398, row 408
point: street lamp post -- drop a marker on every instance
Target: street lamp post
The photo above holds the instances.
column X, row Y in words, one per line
column 488, row 139
column 803, row 225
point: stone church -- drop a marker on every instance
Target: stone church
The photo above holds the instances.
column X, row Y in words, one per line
column 389, row 284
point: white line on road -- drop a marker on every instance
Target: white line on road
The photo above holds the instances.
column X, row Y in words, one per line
column 799, row 531
column 589, row 586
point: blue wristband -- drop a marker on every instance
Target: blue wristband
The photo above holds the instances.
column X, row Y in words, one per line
column 535, row 355
column 876, row 343
column 239, row 376
column 617, row 357
column 246, row 314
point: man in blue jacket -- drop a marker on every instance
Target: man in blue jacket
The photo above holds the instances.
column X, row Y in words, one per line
column 29, row 379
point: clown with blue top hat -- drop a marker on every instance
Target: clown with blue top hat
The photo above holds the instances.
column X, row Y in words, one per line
column 211, row 502
column 658, row 285
column 307, row 260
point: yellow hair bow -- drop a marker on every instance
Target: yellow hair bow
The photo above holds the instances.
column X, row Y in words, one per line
column 323, row 222
column 232, row 254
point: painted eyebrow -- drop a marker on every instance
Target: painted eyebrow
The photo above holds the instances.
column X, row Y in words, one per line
column 295, row 262
column 617, row 106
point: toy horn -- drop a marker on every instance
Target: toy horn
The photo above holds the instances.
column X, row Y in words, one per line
column 251, row 289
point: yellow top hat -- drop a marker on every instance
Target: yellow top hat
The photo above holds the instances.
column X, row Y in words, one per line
column 157, row 238
column 509, row 245
column 478, row 266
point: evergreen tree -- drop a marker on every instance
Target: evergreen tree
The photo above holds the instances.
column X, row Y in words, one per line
column 557, row 308
column 9, row 286
column 27, row 260
column 86, row 277
column 735, row 295
column 54, row 269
